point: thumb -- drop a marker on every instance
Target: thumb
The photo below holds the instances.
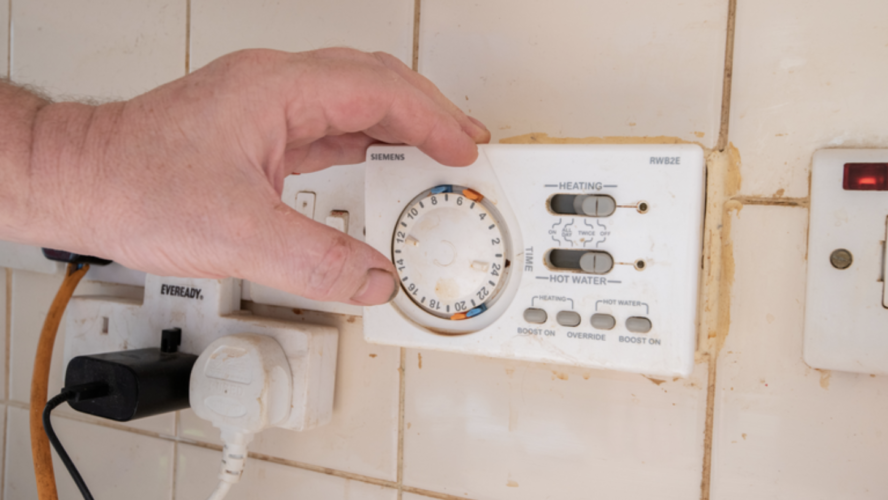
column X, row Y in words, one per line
column 300, row 256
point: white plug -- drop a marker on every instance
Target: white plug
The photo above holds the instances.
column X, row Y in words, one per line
column 242, row 384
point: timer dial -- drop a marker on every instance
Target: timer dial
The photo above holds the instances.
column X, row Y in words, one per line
column 450, row 249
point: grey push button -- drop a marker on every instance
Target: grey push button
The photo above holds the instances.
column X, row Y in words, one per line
column 568, row 318
column 596, row 262
column 637, row 324
column 594, row 205
column 603, row 321
column 534, row 315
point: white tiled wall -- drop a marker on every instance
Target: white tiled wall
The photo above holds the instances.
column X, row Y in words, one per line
column 198, row 468
column 577, row 68
column 783, row 429
column 105, row 49
column 220, row 27
column 804, row 77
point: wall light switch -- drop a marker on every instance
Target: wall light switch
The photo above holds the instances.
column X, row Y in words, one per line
column 846, row 319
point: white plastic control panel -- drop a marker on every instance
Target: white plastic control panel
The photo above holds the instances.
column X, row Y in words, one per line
column 585, row 255
column 846, row 320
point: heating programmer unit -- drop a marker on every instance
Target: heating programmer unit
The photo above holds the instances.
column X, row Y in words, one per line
column 586, row 255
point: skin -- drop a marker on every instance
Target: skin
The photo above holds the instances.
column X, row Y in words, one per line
column 186, row 179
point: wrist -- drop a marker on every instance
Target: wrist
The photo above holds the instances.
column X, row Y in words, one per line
column 67, row 153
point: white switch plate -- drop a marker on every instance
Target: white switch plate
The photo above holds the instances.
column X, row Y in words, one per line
column 846, row 324
column 336, row 189
column 519, row 180
column 206, row 310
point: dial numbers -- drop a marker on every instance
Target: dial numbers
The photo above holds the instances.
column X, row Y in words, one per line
column 450, row 249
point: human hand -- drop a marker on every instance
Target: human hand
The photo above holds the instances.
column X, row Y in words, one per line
column 186, row 180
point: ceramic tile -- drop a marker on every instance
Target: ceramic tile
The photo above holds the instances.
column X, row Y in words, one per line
column 576, row 68
column 804, row 79
column 98, row 48
column 198, row 468
column 4, row 37
column 114, row 464
column 362, row 436
column 218, row 28
column 783, row 429
column 490, row 429
column 32, row 294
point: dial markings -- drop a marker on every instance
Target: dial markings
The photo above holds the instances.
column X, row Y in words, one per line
column 452, row 266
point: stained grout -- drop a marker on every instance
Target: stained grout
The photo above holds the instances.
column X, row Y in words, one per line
column 402, row 391
column 187, row 36
column 5, row 445
column 7, row 340
column 8, row 328
column 9, row 41
column 712, row 358
column 417, row 4
column 728, row 78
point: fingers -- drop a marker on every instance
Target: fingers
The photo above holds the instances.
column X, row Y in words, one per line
column 346, row 149
column 472, row 127
column 352, row 91
column 300, row 256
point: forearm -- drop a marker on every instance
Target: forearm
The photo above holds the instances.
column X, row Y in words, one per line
column 18, row 114
column 43, row 150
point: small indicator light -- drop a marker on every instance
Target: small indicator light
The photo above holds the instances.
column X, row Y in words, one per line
column 472, row 194
column 865, row 177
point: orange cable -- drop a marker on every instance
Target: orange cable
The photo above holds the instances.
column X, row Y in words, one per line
column 43, row 471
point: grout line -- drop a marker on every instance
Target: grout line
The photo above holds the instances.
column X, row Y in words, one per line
column 728, row 78
column 187, row 36
column 9, row 42
column 775, row 202
column 417, row 4
column 402, row 391
column 324, row 470
column 706, row 481
column 5, row 446
column 8, row 337
column 175, row 460
column 712, row 358
column 433, row 494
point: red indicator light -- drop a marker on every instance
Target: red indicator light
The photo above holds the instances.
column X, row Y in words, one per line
column 866, row 177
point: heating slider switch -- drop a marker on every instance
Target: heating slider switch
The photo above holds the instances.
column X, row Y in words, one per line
column 592, row 205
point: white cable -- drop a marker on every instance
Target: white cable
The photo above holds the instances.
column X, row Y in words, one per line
column 221, row 490
column 242, row 384
column 234, row 456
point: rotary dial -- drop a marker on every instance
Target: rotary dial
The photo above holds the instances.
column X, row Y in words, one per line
column 450, row 250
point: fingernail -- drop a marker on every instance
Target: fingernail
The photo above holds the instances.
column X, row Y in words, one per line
column 379, row 287
column 483, row 134
column 478, row 123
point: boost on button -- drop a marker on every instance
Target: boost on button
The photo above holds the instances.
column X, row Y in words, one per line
column 638, row 324
column 534, row 315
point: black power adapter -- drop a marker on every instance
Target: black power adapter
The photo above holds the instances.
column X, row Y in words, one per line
column 139, row 383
